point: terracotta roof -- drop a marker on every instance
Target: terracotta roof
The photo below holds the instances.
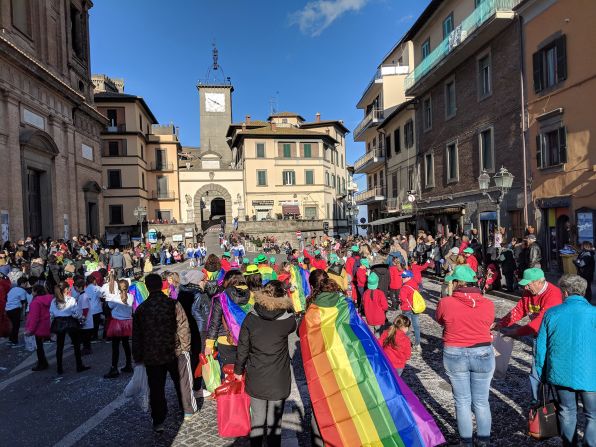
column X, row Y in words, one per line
column 123, row 97
column 326, row 123
column 285, row 115
column 280, row 132
column 251, row 125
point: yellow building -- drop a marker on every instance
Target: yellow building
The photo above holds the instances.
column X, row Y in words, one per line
column 293, row 168
column 139, row 160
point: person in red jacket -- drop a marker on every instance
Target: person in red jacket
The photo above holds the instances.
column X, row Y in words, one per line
column 471, row 259
column 406, row 299
column 225, row 261
column 465, row 243
column 353, row 260
column 361, row 279
column 395, row 283
column 374, row 303
column 316, row 261
column 38, row 323
column 468, row 355
column 538, row 296
column 396, row 344
column 417, row 270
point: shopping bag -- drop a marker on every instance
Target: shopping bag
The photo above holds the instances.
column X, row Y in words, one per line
column 543, row 422
column 211, row 374
column 233, row 409
column 30, row 344
column 199, row 369
column 503, row 347
column 138, row 388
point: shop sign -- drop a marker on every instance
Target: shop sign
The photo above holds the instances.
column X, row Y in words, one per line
column 177, row 238
column 269, row 203
column 152, row 236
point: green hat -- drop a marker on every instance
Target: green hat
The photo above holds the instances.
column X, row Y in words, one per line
column 354, row 248
column 469, row 250
column 373, row 281
column 245, row 261
column 462, row 273
column 226, row 254
column 530, row 275
column 333, row 258
column 317, row 252
column 260, row 259
column 251, row 270
column 272, row 260
column 364, row 262
column 301, row 259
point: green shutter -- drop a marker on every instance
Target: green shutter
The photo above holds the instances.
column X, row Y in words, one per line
column 309, row 177
column 287, row 150
column 307, row 150
column 539, row 151
column 561, row 45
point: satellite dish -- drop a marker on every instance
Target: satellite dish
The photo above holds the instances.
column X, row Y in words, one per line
column 362, row 220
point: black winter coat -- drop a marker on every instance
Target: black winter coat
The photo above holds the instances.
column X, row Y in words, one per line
column 186, row 297
column 382, row 271
column 263, row 348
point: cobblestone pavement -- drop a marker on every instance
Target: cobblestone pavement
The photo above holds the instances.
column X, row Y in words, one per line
column 40, row 409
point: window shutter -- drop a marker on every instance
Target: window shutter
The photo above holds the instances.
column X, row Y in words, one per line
column 563, row 144
column 537, row 66
column 561, row 44
column 539, row 150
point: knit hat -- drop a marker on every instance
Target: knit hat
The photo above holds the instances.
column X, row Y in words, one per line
column 462, row 273
column 364, row 262
column 251, row 270
column 333, row 258
column 373, row 281
column 407, row 274
column 191, row 277
column 530, row 275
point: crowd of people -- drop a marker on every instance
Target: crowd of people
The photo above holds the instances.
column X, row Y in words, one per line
column 352, row 301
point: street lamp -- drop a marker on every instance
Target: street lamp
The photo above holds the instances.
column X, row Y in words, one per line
column 503, row 181
column 140, row 213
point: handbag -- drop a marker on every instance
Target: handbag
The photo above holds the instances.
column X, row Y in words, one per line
column 543, row 422
column 233, row 408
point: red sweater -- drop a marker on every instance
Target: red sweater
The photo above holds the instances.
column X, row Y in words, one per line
column 463, row 246
column 400, row 353
column 406, row 295
column 361, row 277
column 314, row 262
column 533, row 307
column 466, row 318
column 417, row 271
column 395, row 281
column 375, row 306
column 225, row 264
column 472, row 262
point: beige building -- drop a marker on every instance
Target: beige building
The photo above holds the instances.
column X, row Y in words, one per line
column 560, row 90
column 140, row 160
column 49, row 128
column 293, row 168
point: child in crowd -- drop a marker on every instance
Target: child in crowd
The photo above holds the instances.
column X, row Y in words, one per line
column 361, row 277
column 406, row 298
column 396, row 344
column 395, row 283
column 375, row 304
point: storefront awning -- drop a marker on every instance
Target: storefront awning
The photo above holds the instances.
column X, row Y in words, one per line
column 385, row 221
column 290, row 210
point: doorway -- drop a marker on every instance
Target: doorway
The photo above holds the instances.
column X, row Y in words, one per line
column 92, row 225
column 33, row 194
column 218, row 209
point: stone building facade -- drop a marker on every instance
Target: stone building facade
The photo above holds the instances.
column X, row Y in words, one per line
column 49, row 128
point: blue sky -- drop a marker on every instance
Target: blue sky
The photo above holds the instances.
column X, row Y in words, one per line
column 313, row 56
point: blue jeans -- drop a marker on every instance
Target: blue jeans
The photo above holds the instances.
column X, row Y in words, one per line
column 415, row 324
column 470, row 371
column 534, row 379
column 567, row 398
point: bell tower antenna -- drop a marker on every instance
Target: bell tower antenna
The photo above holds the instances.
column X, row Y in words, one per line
column 215, row 74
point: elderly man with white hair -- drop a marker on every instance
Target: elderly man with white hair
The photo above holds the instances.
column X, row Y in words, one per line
column 565, row 358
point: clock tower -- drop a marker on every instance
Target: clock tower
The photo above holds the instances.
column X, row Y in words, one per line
column 215, row 112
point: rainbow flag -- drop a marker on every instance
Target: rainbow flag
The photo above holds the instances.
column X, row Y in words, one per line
column 356, row 395
column 234, row 314
column 299, row 279
column 139, row 292
column 216, row 276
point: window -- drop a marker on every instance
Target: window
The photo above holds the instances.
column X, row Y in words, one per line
column 142, row 180
column 163, row 215
column 142, row 152
column 550, row 64
column 487, row 156
column 287, row 150
column 260, row 150
column 326, row 179
column 307, row 150
column 162, row 187
column 381, row 179
column 140, row 123
column 484, row 77
column 388, row 145
column 333, row 185
column 447, row 25
column 116, row 215
column 329, row 211
column 112, row 117
column 261, row 178
column 21, row 15
column 114, row 178
column 289, row 178
column 161, row 161
column 76, row 32
column 425, row 48
column 341, row 156
column 427, row 113
column 450, row 107
column 310, row 212
column 409, row 134
column 343, row 185
column 452, row 162
column 374, row 142
column 113, row 148
column 394, row 184
column 397, row 140
column 429, row 171
column 551, row 148
column 309, row 177
column 410, row 179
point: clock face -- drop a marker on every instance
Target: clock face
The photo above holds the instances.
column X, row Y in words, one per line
column 215, row 102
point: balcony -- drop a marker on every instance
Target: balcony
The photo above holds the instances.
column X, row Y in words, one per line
column 486, row 22
column 370, row 161
column 163, row 195
column 118, row 128
column 161, row 166
column 352, row 187
column 392, row 205
column 370, row 121
column 376, row 194
column 375, row 85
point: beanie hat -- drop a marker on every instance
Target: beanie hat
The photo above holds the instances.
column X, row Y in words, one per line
column 373, row 281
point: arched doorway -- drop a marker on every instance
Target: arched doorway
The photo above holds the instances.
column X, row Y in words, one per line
column 212, row 204
column 218, row 209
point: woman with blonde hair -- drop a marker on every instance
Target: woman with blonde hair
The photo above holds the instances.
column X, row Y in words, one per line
column 120, row 328
column 173, row 285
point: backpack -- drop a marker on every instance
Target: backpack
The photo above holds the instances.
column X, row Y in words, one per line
column 418, row 304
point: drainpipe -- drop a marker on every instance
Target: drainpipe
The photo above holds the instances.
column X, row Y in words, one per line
column 523, row 112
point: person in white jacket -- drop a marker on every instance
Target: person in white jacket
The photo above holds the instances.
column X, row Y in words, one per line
column 120, row 328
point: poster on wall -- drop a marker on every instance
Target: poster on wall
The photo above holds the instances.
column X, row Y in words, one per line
column 152, row 236
column 585, row 227
column 66, row 228
column 5, row 230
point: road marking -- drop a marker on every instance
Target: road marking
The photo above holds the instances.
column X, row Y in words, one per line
column 78, row 433
column 25, row 373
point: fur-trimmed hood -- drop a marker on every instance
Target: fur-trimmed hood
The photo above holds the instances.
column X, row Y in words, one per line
column 271, row 308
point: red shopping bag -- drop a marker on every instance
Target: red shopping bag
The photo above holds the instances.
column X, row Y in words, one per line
column 202, row 362
column 233, row 409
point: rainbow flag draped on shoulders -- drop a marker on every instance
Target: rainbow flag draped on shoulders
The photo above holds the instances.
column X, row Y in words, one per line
column 299, row 280
column 216, row 276
column 356, row 395
column 139, row 293
column 234, row 314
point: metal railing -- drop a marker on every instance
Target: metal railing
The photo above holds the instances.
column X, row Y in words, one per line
column 481, row 15
column 392, row 204
column 161, row 166
column 163, row 195
column 116, row 129
column 374, row 116
column 363, row 196
column 385, row 70
column 369, row 156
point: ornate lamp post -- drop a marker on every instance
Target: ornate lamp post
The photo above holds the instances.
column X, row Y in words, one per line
column 140, row 213
column 503, row 182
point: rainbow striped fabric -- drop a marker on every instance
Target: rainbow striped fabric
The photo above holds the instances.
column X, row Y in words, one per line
column 299, row 280
column 139, row 292
column 234, row 314
column 216, row 276
column 357, row 397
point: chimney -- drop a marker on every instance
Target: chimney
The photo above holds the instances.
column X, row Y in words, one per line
column 243, row 126
column 247, row 119
column 318, row 117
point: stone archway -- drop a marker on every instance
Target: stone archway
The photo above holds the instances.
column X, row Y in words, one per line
column 208, row 193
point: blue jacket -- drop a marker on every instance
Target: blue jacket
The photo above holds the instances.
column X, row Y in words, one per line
column 566, row 345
